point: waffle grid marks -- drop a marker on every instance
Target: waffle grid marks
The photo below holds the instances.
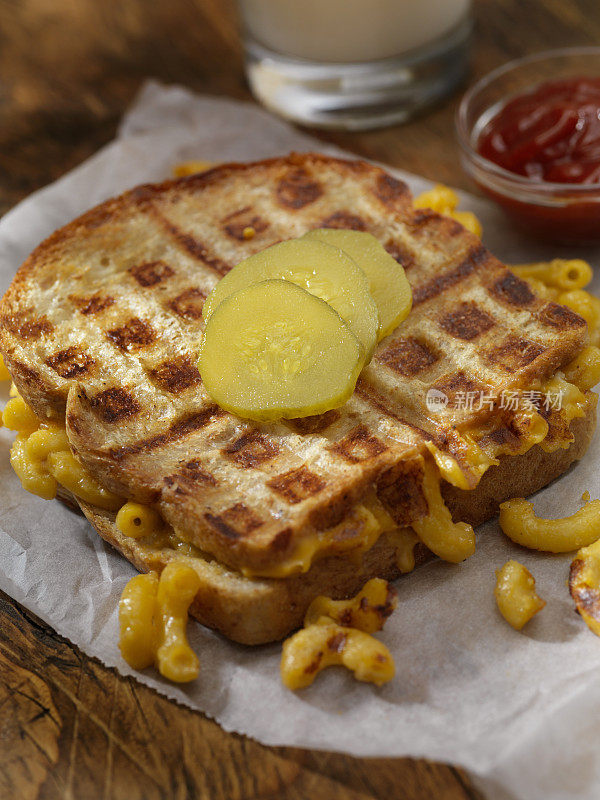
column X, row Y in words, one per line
column 123, row 344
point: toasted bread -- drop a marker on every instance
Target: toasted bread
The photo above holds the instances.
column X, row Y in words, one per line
column 102, row 323
column 263, row 610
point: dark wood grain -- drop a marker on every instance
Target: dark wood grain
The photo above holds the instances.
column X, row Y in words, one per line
column 73, row 729
column 70, row 728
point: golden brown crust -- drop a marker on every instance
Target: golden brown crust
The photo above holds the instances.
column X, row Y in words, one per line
column 264, row 610
column 103, row 322
column 522, row 475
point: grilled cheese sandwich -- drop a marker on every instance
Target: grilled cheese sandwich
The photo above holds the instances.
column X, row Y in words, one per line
column 100, row 332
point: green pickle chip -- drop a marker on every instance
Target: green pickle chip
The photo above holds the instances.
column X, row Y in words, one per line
column 318, row 267
column 273, row 350
column 388, row 284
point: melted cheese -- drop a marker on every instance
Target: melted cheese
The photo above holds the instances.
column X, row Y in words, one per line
column 569, row 398
column 404, row 541
column 476, row 459
column 584, row 370
column 4, row 373
column 573, row 405
column 299, row 562
column 451, row 541
column 533, row 430
column 355, row 534
column 41, row 458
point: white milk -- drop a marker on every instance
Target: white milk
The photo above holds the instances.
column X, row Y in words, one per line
column 349, row 30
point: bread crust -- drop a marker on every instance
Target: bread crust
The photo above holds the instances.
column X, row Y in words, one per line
column 103, row 323
column 258, row 611
column 521, row 475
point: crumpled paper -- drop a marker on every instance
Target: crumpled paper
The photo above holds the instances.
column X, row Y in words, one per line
column 521, row 711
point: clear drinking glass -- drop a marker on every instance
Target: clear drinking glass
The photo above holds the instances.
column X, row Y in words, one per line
column 354, row 64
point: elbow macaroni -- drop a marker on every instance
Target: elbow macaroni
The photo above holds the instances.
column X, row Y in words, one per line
column 560, row 273
column 41, row 458
column 451, row 541
column 153, row 616
column 515, row 594
column 67, row 470
column 445, row 201
column 137, row 520
column 177, row 588
column 137, row 627
column 42, row 442
column 584, row 585
column 519, row 523
column 367, row 611
column 152, row 613
column 323, row 642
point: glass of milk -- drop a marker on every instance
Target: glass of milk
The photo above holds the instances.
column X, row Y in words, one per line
column 354, row 64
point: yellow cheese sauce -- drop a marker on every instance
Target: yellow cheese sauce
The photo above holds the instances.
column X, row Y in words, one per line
column 42, row 459
column 354, row 535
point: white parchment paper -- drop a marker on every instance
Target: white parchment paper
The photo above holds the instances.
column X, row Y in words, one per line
column 520, row 710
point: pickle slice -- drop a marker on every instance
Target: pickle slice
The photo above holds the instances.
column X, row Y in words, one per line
column 273, row 350
column 387, row 282
column 319, row 268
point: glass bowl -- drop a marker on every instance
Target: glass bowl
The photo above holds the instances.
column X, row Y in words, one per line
column 557, row 212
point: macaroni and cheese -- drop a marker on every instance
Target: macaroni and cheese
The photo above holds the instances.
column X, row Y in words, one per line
column 515, row 594
column 445, row 201
column 153, row 615
column 367, row 611
column 325, row 644
column 339, row 632
column 42, row 459
column 519, row 523
column 451, row 541
column 584, row 585
column 137, row 520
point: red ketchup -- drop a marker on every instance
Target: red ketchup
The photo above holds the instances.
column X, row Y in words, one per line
column 551, row 135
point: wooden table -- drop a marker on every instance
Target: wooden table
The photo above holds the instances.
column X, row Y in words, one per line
column 69, row 728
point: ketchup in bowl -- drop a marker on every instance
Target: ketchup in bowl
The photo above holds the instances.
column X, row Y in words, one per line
column 550, row 134
column 530, row 137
